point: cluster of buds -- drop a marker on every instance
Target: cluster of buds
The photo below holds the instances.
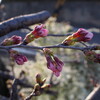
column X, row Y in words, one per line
column 53, row 63
column 91, row 55
column 40, row 85
column 17, row 57
column 80, row 35
column 12, row 41
column 39, row 31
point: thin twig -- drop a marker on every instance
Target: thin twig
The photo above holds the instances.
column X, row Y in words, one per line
column 30, row 96
column 14, row 95
column 52, row 46
column 84, row 44
column 51, row 79
column 59, row 35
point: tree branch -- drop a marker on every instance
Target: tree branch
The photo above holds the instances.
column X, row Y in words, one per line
column 22, row 21
column 95, row 94
column 14, row 95
column 52, row 46
column 30, row 96
column 59, row 35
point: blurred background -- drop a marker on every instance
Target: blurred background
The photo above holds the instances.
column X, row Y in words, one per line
column 75, row 82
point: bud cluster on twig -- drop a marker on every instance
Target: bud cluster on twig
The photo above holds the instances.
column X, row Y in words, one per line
column 39, row 87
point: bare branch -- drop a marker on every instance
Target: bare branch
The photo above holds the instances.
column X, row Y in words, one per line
column 14, row 95
column 22, row 21
column 30, row 96
column 51, row 79
column 52, row 46
column 95, row 94
column 84, row 44
column 59, row 35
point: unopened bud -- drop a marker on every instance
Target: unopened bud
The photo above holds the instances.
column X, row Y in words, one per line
column 43, row 81
column 46, row 86
column 37, row 87
column 12, row 40
column 38, row 79
column 9, row 83
column 69, row 41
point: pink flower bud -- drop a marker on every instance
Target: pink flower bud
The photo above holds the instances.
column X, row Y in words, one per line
column 19, row 61
column 83, row 35
column 69, row 40
column 24, row 58
column 16, row 39
column 80, row 35
column 53, row 63
column 12, row 41
column 39, row 31
column 58, row 61
column 38, row 79
column 19, row 58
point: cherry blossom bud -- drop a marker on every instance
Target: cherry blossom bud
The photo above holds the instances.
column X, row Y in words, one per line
column 43, row 81
column 83, row 35
column 18, row 58
column 12, row 41
column 16, row 39
column 59, row 62
column 19, row 61
column 38, row 79
column 39, row 31
column 53, row 63
column 24, row 58
column 69, row 41
column 80, row 35
column 40, row 87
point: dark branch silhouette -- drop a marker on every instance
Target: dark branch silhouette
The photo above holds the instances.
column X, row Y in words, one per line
column 14, row 95
column 19, row 82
